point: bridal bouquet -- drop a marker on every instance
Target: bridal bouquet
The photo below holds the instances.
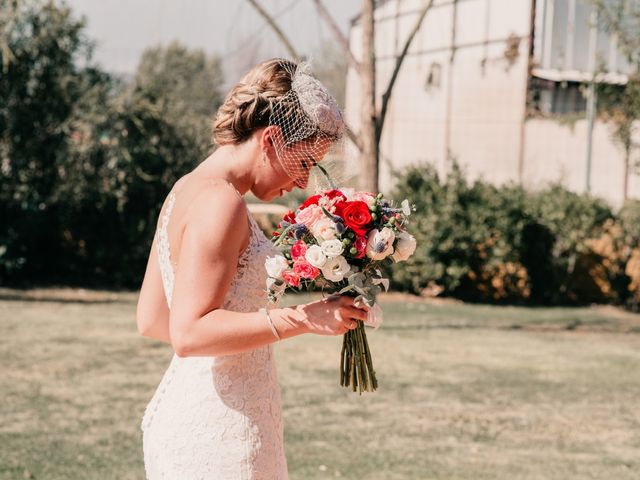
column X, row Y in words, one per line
column 335, row 242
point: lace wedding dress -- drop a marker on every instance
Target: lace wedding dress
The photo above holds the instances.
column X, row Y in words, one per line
column 218, row 418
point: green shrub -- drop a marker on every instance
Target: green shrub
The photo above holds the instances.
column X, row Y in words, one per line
column 462, row 230
column 564, row 222
column 480, row 242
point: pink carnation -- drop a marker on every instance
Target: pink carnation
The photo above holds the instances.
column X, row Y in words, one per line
column 291, row 278
column 305, row 269
column 298, row 250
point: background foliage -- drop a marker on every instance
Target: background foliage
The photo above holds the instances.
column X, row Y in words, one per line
column 480, row 242
column 87, row 159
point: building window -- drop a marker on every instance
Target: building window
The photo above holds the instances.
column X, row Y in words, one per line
column 556, row 98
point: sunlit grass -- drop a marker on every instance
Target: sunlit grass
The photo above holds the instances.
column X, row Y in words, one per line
column 466, row 392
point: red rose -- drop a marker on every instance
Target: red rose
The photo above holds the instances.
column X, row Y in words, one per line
column 356, row 216
column 291, row 278
column 290, row 217
column 331, row 194
column 305, row 269
column 298, row 250
column 312, row 200
column 361, row 246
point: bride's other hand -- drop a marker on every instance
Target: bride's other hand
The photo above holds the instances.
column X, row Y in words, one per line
column 333, row 315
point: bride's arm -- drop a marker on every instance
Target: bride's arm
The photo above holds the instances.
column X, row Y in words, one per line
column 216, row 228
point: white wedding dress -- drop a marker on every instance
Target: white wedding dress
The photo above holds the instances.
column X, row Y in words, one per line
column 218, row 418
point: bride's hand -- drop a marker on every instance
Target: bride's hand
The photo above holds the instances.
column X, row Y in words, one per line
column 334, row 315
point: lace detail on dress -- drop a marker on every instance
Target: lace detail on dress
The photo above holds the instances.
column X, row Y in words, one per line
column 164, row 257
column 218, row 417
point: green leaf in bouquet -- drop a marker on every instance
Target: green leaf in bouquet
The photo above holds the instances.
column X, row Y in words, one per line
column 357, row 279
column 346, row 289
column 328, row 214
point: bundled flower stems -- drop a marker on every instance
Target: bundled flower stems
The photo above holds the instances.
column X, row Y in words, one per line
column 336, row 242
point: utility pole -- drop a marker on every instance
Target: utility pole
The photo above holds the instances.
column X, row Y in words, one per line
column 591, row 93
column 369, row 154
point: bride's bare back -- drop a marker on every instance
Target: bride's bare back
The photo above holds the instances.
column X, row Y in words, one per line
column 209, row 218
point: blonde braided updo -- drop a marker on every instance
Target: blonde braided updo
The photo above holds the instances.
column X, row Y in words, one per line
column 250, row 103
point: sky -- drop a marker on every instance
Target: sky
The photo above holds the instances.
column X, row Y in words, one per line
column 122, row 29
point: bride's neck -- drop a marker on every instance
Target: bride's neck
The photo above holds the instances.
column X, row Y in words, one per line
column 233, row 163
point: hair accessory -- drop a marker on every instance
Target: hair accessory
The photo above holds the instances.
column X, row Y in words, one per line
column 310, row 123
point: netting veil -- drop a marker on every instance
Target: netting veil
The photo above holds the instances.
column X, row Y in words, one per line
column 310, row 124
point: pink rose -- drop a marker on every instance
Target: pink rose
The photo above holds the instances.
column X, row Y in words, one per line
column 298, row 249
column 310, row 215
column 305, row 269
column 291, row 278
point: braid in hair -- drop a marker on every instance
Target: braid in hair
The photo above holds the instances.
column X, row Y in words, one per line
column 249, row 103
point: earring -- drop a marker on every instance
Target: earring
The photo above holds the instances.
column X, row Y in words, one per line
column 264, row 157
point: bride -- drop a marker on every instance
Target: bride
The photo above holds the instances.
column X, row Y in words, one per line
column 217, row 411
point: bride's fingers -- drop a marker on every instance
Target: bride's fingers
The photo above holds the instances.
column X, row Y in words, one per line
column 357, row 313
column 349, row 325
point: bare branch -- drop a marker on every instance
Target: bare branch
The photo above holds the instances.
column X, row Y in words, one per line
column 283, row 38
column 341, row 39
column 272, row 23
column 353, row 137
column 387, row 94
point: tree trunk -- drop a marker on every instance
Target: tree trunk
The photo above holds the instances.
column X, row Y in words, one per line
column 369, row 153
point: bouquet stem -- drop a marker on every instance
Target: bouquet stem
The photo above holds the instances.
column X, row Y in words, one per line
column 356, row 366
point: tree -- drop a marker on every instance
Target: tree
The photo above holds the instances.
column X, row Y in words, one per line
column 367, row 140
column 184, row 84
column 129, row 146
column 85, row 160
column 41, row 48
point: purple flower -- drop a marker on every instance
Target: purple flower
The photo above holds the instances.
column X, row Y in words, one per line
column 299, row 230
column 379, row 247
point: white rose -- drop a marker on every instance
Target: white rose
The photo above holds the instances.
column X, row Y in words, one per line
column 405, row 247
column 324, row 229
column 276, row 265
column 335, row 268
column 332, row 248
column 315, row 256
column 380, row 243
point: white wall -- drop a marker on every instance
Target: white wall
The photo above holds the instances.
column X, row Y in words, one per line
column 487, row 102
column 557, row 153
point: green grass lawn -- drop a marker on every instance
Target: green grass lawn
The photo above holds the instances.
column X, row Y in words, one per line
column 466, row 392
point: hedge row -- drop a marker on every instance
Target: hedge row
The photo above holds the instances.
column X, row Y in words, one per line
column 480, row 242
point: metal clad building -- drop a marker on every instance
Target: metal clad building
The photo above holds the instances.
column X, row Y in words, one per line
column 463, row 88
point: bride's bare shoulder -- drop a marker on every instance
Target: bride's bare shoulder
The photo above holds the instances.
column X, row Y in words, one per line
column 216, row 205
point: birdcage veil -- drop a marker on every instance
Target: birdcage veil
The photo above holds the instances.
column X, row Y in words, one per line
column 311, row 128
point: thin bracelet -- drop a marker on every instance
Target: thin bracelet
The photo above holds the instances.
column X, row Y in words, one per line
column 273, row 327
